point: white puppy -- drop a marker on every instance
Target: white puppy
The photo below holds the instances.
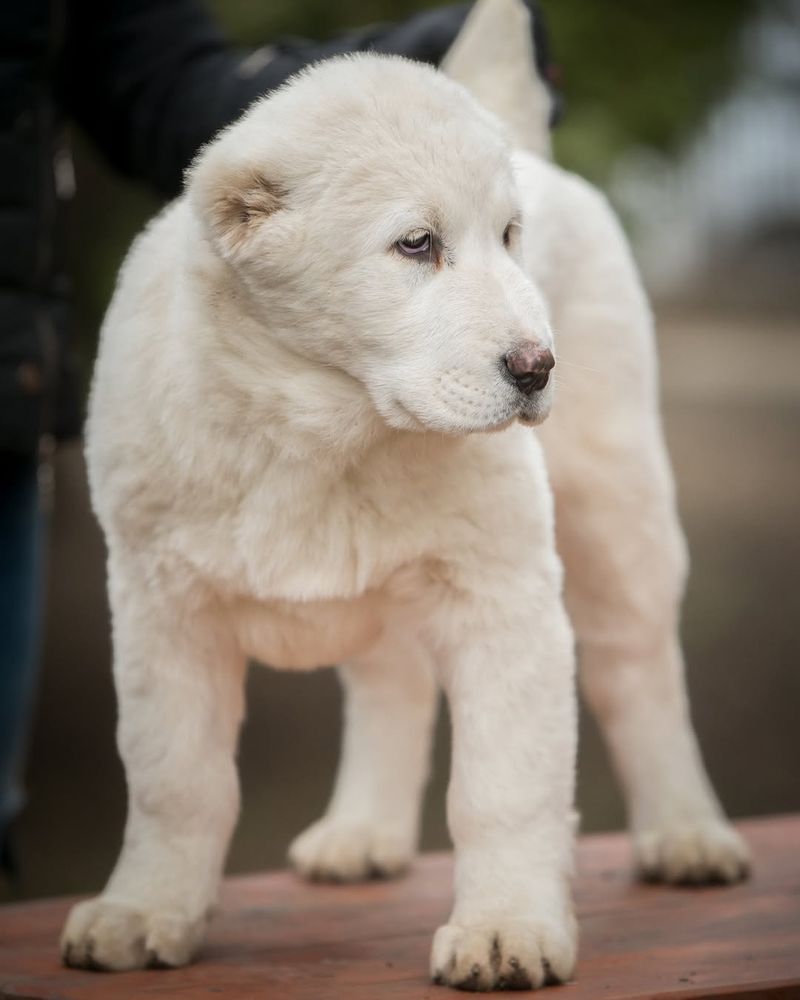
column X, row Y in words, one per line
column 285, row 457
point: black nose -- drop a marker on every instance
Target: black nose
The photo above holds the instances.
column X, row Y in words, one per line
column 529, row 365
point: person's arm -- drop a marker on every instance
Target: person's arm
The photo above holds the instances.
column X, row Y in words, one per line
column 150, row 81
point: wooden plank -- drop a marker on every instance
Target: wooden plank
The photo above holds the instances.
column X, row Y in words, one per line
column 280, row 939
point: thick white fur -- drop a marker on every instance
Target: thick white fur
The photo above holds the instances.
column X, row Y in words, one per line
column 281, row 456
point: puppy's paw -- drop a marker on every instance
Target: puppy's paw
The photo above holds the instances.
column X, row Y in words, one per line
column 504, row 954
column 109, row 936
column 692, row 854
column 333, row 850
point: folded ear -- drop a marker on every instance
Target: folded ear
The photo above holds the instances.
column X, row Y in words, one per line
column 232, row 199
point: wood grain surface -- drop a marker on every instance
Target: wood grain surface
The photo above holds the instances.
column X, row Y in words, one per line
column 277, row 938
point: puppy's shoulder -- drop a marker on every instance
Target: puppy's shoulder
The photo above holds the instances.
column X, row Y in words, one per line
column 571, row 234
column 557, row 199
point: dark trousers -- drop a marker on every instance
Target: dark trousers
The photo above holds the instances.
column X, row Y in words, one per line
column 21, row 578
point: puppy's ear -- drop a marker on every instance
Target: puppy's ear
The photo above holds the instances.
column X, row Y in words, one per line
column 232, row 200
column 236, row 213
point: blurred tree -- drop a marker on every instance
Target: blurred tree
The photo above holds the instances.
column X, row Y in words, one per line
column 641, row 72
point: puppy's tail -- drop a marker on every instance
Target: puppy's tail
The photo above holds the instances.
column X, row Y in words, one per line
column 493, row 57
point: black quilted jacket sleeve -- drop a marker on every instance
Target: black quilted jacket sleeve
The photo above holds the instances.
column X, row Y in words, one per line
column 150, row 81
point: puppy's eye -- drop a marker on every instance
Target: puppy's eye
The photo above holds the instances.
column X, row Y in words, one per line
column 507, row 234
column 415, row 243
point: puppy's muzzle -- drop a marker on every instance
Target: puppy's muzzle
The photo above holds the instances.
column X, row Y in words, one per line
column 529, row 366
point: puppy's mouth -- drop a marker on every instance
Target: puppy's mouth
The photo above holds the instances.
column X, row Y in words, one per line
column 530, row 412
column 534, row 409
column 531, row 408
column 468, row 416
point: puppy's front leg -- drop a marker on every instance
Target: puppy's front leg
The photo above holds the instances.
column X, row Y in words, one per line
column 179, row 681
column 512, row 704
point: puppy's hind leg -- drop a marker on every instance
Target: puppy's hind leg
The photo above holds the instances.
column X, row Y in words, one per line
column 370, row 828
column 624, row 564
column 619, row 537
column 179, row 680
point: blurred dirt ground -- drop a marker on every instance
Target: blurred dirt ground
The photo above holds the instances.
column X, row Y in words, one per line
column 732, row 409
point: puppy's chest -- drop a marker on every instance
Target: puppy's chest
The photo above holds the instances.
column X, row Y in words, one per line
column 326, row 578
column 308, row 634
column 300, row 539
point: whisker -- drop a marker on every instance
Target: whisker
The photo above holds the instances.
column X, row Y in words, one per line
column 574, row 364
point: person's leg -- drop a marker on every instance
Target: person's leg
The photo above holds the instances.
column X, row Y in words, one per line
column 21, row 545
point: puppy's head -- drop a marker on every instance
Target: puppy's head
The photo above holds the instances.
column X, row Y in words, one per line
column 369, row 214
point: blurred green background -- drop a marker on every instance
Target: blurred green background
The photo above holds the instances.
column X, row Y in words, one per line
column 684, row 113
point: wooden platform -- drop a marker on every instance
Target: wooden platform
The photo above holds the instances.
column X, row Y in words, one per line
column 279, row 939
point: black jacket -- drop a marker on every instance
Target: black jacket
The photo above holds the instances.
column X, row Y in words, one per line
column 149, row 81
